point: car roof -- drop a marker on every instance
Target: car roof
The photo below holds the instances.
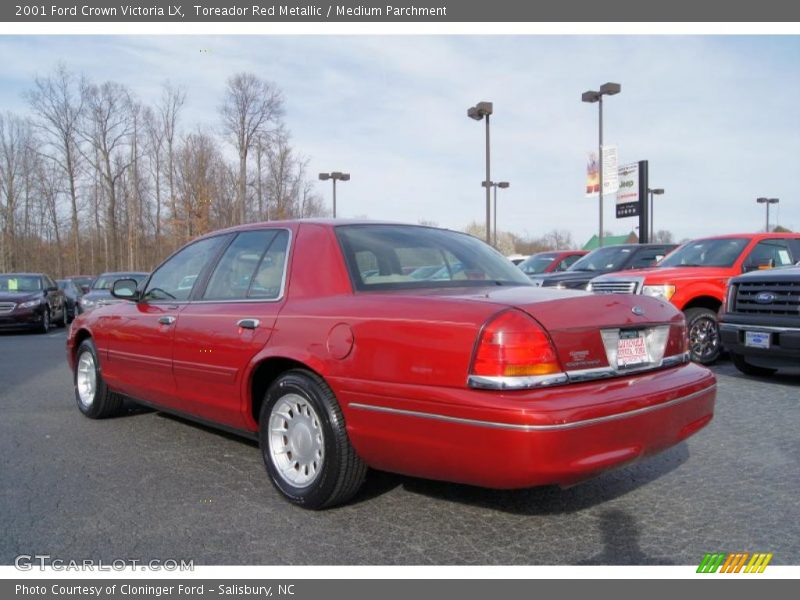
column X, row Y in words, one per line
column 727, row 236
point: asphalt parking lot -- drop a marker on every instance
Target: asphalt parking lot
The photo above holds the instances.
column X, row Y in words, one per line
column 150, row 486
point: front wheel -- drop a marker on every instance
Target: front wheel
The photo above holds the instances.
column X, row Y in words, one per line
column 703, row 331
column 44, row 326
column 304, row 442
column 94, row 399
column 740, row 362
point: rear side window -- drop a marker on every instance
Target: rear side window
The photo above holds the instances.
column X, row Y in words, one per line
column 251, row 267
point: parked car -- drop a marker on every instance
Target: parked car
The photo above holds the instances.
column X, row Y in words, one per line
column 72, row 295
column 30, row 301
column 550, row 262
column 695, row 276
column 760, row 321
column 100, row 292
column 290, row 336
column 607, row 259
column 84, row 282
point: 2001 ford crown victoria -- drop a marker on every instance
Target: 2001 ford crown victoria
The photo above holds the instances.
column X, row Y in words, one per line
column 342, row 345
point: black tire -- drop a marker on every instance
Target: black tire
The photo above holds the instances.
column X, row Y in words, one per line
column 338, row 471
column 702, row 328
column 740, row 362
column 102, row 403
column 62, row 322
column 44, row 326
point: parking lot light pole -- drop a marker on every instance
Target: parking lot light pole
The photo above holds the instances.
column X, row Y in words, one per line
column 607, row 89
column 478, row 112
column 334, row 176
column 656, row 192
column 767, row 201
column 502, row 185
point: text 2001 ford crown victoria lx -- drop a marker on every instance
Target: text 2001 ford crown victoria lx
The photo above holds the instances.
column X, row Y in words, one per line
column 347, row 345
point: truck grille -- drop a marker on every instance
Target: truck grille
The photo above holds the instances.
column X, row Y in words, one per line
column 767, row 298
column 614, row 287
column 6, row 307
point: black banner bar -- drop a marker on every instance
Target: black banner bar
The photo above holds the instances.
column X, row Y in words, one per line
column 398, row 11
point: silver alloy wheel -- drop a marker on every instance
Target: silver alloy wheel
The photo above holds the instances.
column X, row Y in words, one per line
column 86, row 379
column 296, row 441
column 704, row 337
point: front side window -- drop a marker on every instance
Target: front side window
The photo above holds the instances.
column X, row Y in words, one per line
column 169, row 281
column 252, row 267
column 721, row 252
column 381, row 257
column 768, row 254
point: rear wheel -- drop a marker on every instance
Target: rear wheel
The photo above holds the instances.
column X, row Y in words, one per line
column 94, row 399
column 703, row 331
column 304, row 442
column 740, row 362
column 44, row 326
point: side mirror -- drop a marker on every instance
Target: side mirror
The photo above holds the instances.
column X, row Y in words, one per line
column 125, row 289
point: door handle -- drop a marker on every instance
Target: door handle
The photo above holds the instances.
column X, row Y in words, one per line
column 249, row 323
column 166, row 320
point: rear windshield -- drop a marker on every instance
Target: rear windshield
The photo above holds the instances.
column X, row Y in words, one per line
column 706, row 253
column 384, row 257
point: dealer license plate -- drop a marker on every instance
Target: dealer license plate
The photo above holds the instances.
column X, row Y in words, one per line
column 756, row 339
column 631, row 349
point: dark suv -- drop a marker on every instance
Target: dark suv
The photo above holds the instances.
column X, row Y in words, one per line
column 607, row 259
column 760, row 322
column 30, row 301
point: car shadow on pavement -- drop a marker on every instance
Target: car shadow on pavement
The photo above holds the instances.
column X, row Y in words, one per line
column 620, row 539
column 547, row 500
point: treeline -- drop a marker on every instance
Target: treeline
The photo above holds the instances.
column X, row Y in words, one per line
column 94, row 179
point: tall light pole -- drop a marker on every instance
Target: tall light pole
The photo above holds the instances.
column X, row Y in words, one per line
column 495, row 184
column 502, row 185
column 607, row 89
column 478, row 112
column 767, row 201
column 334, row 176
column 657, row 192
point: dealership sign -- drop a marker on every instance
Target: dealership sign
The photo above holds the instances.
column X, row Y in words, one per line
column 628, row 192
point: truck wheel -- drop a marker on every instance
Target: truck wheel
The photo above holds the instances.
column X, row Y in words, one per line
column 740, row 362
column 703, row 331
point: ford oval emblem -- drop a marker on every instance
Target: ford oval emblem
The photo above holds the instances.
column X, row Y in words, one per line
column 765, row 298
column 638, row 311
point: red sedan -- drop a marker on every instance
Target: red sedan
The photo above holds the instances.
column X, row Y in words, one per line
column 329, row 343
column 550, row 262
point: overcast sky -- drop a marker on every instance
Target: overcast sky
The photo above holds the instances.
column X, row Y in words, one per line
column 716, row 116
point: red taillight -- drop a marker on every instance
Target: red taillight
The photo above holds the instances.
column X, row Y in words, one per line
column 514, row 345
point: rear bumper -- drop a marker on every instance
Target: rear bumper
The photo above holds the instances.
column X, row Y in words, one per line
column 784, row 350
column 523, row 439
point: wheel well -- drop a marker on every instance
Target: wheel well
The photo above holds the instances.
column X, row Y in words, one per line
column 708, row 302
column 264, row 374
column 80, row 337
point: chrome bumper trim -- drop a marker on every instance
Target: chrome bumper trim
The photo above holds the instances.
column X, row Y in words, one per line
column 518, row 427
column 516, row 383
column 738, row 327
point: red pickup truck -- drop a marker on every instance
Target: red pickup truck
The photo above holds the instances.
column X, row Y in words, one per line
column 695, row 275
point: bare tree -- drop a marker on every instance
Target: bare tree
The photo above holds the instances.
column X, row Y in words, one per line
column 15, row 139
column 57, row 103
column 250, row 107
column 662, row 236
column 172, row 100
column 107, row 127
